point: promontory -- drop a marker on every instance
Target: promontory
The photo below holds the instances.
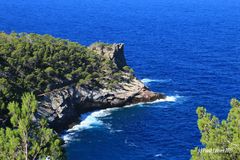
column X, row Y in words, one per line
column 67, row 78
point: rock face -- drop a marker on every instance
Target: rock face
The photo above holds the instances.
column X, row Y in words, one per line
column 114, row 52
column 63, row 106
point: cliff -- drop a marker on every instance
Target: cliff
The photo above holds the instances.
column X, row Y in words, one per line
column 63, row 106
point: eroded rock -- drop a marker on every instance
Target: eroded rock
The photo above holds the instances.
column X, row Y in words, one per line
column 62, row 107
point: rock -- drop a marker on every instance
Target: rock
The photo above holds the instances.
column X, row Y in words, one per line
column 114, row 52
column 62, row 107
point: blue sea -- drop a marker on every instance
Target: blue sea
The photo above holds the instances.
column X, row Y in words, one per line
column 187, row 49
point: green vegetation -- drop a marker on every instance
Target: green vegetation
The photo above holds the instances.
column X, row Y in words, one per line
column 27, row 139
column 36, row 64
column 128, row 69
column 39, row 64
column 220, row 139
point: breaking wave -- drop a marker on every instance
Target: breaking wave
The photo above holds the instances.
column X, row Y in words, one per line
column 147, row 80
column 167, row 99
column 89, row 121
column 93, row 119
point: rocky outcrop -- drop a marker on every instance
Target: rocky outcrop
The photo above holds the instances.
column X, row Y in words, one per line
column 114, row 52
column 62, row 107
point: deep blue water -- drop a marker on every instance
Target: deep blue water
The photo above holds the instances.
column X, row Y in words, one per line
column 190, row 47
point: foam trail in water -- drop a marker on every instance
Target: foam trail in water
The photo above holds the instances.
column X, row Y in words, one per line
column 91, row 120
column 147, row 80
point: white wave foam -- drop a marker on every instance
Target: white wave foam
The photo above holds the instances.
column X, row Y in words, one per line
column 89, row 122
column 93, row 119
column 158, row 155
column 115, row 131
column 147, row 80
column 103, row 112
column 167, row 99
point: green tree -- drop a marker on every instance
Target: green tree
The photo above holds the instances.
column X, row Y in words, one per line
column 28, row 139
column 5, row 94
column 50, row 71
column 221, row 140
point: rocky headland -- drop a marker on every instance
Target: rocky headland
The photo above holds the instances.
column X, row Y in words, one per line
column 62, row 107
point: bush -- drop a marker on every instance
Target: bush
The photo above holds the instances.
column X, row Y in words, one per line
column 128, row 69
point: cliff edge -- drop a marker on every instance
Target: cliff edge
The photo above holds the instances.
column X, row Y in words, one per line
column 62, row 107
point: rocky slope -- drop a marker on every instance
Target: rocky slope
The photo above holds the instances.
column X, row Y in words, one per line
column 63, row 106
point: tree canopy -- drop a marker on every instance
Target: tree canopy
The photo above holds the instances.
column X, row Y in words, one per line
column 40, row 63
column 220, row 139
column 27, row 139
column 36, row 64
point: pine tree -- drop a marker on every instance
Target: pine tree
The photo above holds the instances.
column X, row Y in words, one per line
column 28, row 140
column 220, row 139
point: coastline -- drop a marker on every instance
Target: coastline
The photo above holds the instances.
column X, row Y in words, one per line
column 91, row 119
column 62, row 107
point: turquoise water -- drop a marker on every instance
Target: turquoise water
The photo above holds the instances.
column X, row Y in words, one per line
column 188, row 49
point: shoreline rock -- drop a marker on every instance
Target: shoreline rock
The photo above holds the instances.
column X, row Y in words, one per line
column 62, row 107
